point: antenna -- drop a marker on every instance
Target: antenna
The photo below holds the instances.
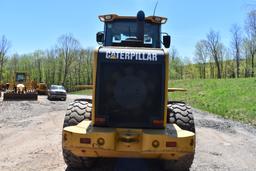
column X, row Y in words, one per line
column 155, row 8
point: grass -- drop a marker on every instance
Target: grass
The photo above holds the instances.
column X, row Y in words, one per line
column 82, row 92
column 230, row 98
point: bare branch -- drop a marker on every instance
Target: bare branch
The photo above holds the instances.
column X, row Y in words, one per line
column 69, row 48
column 4, row 47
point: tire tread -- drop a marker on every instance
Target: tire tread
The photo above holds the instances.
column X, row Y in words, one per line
column 77, row 112
column 180, row 114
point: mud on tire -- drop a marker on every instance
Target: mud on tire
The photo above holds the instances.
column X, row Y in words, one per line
column 180, row 114
column 77, row 112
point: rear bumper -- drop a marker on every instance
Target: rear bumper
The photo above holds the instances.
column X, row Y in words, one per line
column 135, row 143
column 88, row 152
column 57, row 96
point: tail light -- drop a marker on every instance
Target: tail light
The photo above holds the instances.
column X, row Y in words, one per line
column 158, row 122
column 171, row 144
column 85, row 140
column 100, row 121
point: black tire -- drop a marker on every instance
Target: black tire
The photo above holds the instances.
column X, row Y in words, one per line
column 77, row 112
column 63, row 99
column 183, row 164
column 49, row 98
column 180, row 114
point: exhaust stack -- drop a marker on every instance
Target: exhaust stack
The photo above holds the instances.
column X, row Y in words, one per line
column 140, row 26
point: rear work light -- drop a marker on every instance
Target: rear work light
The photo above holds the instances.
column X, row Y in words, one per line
column 85, row 140
column 156, row 19
column 100, row 121
column 171, row 144
column 109, row 17
column 158, row 122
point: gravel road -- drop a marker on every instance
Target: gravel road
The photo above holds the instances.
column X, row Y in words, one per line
column 30, row 139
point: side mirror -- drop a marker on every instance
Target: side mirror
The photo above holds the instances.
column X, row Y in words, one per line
column 100, row 37
column 167, row 41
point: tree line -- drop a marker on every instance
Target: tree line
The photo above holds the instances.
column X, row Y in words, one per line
column 212, row 59
column 67, row 63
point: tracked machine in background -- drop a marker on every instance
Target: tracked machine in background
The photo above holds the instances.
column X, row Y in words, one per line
column 21, row 88
column 129, row 114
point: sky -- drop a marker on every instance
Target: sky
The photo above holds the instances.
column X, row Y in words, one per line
column 31, row 25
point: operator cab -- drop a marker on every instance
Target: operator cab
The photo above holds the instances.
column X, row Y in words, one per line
column 20, row 77
column 131, row 75
column 130, row 31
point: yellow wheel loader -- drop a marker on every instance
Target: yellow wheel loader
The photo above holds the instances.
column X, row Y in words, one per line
column 129, row 115
column 42, row 89
column 22, row 88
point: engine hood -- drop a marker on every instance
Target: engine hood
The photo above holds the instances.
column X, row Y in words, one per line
column 130, row 87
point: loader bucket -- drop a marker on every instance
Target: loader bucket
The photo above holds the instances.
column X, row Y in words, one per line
column 15, row 96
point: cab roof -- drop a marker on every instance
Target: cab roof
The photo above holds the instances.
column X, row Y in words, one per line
column 112, row 17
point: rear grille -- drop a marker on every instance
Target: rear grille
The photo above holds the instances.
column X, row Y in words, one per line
column 130, row 94
column 59, row 93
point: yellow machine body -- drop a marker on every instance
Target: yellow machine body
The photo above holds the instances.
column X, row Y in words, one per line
column 121, row 142
column 42, row 88
column 28, row 92
column 85, row 140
